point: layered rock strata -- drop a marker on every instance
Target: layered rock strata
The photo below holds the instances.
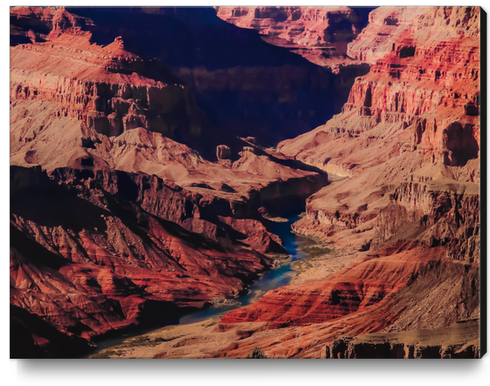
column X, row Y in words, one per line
column 87, row 258
column 409, row 146
column 242, row 85
column 457, row 341
column 408, row 143
column 119, row 111
column 351, row 290
column 320, row 34
column 37, row 24
column 408, row 121
column 438, row 294
column 111, row 220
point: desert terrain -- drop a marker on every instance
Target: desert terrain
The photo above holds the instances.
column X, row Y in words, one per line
column 233, row 182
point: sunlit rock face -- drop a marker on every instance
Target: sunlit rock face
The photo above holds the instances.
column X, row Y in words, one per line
column 131, row 193
column 319, row 34
column 112, row 220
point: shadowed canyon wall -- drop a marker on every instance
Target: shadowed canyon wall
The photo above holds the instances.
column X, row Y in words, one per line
column 130, row 190
column 406, row 216
column 106, row 207
column 319, row 34
column 243, row 85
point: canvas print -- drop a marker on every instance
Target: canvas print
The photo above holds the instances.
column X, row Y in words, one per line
column 245, row 182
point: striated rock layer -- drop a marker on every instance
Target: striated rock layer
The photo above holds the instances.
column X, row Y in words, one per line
column 430, row 301
column 38, row 24
column 408, row 141
column 457, row 341
column 87, row 258
column 408, row 136
column 407, row 212
column 77, row 104
column 112, row 222
column 242, row 85
column 319, row 34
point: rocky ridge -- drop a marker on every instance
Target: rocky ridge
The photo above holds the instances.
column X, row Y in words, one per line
column 408, row 212
column 320, row 34
column 112, row 220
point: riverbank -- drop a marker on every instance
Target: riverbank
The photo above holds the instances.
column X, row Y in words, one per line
column 281, row 275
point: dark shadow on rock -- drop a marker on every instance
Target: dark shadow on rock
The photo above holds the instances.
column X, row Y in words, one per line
column 59, row 345
column 34, row 252
column 34, row 197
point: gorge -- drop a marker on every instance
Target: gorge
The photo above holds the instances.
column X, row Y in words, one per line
column 151, row 161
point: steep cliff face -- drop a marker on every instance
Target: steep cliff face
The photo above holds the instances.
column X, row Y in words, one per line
column 457, row 341
column 414, row 117
column 112, row 220
column 408, row 142
column 433, row 214
column 37, row 24
column 243, row 85
column 320, row 34
column 104, row 87
column 386, row 25
column 86, row 256
column 109, row 108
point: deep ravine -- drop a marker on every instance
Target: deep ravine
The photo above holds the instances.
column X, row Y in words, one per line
column 277, row 277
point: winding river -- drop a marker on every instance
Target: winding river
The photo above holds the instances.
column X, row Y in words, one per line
column 277, row 277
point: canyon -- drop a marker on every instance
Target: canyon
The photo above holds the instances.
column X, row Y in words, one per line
column 131, row 223
column 319, row 34
column 134, row 197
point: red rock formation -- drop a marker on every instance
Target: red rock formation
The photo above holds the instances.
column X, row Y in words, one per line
column 414, row 117
column 87, row 257
column 140, row 256
column 431, row 215
column 386, row 25
column 112, row 217
column 408, row 141
column 430, row 300
column 38, row 24
column 223, row 154
column 117, row 108
column 457, row 341
column 97, row 85
column 351, row 290
column 320, row 34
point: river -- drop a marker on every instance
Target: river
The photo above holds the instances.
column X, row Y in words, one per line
column 277, row 277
